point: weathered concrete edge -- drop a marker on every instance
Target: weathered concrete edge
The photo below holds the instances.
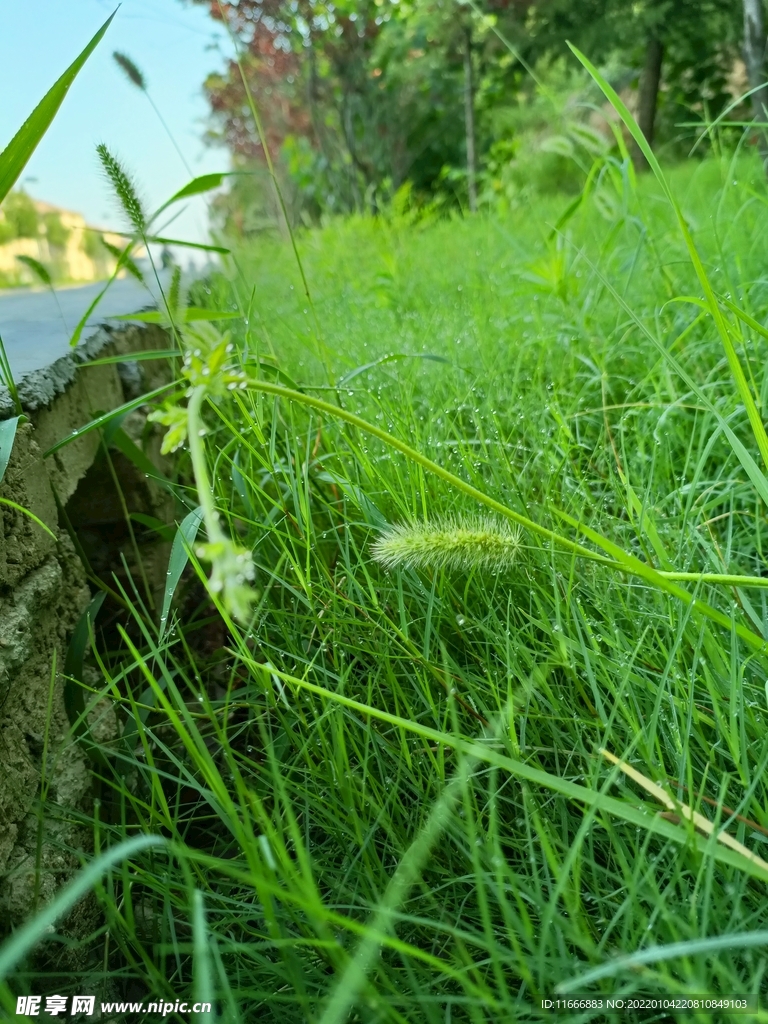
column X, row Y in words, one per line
column 39, row 388
column 43, row 590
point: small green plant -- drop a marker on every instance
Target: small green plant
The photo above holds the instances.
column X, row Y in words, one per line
column 210, row 373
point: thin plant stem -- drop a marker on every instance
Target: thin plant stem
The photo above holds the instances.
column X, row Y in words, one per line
column 322, row 347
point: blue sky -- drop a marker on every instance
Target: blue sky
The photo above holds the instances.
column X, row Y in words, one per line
column 174, row 43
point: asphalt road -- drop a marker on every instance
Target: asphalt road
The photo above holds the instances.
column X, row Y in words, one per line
column 36, row 330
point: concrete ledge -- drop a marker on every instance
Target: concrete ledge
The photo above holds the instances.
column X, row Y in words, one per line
column 44, row 590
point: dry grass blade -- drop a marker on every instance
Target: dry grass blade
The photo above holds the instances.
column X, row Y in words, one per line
column 703, row 824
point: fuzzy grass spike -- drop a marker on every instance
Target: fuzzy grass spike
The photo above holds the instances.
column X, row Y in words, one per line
column 454, row 543
column 124, row 188
column 131, row 71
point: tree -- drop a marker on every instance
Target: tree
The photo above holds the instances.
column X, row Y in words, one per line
column 687, row 45
column 359, row 96
column 21, row 215
column 55, row 231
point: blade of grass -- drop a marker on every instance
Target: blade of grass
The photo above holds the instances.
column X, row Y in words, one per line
column 203, row 974
column 7, row 437
column 100, row 421
column 179, row 557
column 701, row 823
column 655, row 954
column 14, row 157
column 188, row 315
column 6, row 377
column 352, row 981
column 484, row 753
column 30, row 515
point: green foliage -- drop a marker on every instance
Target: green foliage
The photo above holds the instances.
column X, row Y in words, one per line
column 546, row 145
column 21, row 217
column 55, row 231
column 386, row 782
column 372, row 95
column 701, row 41
column 40, row 272
column 93, row 245
column 383, row 788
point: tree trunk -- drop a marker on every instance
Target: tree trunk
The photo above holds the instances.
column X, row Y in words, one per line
column 649, row 94
column 754, row 58
column 469, row 120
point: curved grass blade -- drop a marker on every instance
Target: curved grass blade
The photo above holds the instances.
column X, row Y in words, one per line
column 240, row 485
column 74, row 697
column 7, row 437
column 196, row 187
column 6, row 377
column 177, row 563
column 702, row 824
column 391, row 358
column 41, row 272
column 14, row 157
column 751, row 468
column 189, row 245
column 135, row 357
column 118, row 438
column 123, row 256
column 595, row 799
column 157, row 240
column 24, row 940
column 123, row 260
column 706, row 946
column 37, row 269
column 31, row 515
column 100, row 421
column 616, row 559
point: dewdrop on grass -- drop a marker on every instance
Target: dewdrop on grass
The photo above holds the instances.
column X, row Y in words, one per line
column 454, row 543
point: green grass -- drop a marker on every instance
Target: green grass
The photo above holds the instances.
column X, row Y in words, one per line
column 381, row 791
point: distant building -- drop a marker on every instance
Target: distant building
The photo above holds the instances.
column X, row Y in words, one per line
column 69, row 249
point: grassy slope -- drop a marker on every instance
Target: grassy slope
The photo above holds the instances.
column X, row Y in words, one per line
column 547, row 397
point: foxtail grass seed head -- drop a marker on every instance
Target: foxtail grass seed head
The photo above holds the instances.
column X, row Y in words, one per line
column 123, row 187
column 131, row 71
column 458, row 544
